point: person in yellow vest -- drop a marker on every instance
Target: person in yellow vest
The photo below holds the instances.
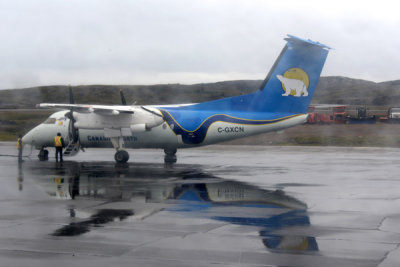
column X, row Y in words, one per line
column 19, row 147
column 59, row 144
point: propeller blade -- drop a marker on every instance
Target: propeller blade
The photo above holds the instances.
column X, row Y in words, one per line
column 71, row 96
column 152, row 112
column 72, row 130
column 123, row 101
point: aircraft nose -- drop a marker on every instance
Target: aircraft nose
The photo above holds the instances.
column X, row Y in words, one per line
column 28, row 138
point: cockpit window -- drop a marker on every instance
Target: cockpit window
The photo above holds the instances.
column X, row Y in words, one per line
column 50, row 121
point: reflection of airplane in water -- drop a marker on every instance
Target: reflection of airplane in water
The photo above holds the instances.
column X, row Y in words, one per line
column 144, row 191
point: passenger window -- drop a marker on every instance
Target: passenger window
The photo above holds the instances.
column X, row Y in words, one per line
column 50, row 121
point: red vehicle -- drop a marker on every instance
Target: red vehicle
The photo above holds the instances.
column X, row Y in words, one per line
column 327, row 114
column 392, row 117
column 319, row 118
column 339, row 114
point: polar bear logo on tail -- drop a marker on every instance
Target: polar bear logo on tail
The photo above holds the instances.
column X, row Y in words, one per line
column 297, row 86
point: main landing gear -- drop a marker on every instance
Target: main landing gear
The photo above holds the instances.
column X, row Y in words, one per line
column 170, row 155
column 121, row 156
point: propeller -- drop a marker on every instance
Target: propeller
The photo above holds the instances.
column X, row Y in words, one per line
column 152, row 112
column 123, row 101
column 150, row 124
column 71, row 96
column 74, row 132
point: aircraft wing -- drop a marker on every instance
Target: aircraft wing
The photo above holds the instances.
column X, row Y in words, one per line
column 113, row 119
column 99, row 109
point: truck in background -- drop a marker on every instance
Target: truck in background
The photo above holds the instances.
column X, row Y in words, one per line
column 362, row 117
column 327, row 114
column 393, row 115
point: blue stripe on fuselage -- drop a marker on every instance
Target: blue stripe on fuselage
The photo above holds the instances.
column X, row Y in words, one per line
column 193, row 126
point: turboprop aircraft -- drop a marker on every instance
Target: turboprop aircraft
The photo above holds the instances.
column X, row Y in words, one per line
column 280, row 102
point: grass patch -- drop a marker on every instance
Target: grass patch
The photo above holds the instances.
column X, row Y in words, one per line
column 6, row 136
column 374, row 141
column 19, row 122
column 24, row 115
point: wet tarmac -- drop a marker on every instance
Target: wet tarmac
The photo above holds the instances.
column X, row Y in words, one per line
column 220, row 205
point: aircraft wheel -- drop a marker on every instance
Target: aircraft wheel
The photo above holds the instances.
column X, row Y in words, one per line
column 170, row 151
column 121, row 156
column 170, row 155
column 170, row 159
column 43, row 155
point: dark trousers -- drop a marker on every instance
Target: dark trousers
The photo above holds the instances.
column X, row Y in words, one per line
column 20, row 154
column 59, row 151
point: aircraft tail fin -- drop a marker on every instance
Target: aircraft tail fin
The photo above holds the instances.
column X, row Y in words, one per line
column 291, row 82
column 288, row 87
column 286, row 91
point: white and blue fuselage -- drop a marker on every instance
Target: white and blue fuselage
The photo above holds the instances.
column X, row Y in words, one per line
column 161, row 136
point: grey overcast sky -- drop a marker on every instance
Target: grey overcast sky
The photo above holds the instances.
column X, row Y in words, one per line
column 46, row 42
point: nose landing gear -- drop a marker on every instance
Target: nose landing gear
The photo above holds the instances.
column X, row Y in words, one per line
column 43, row 154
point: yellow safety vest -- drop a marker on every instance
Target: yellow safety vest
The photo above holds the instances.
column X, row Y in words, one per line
column 57, row 141
column 19, row 143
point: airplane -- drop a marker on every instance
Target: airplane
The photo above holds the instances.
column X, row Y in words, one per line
column 281, row 102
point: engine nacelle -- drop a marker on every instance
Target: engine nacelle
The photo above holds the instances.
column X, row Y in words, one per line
column 142, row 127
column 138, row 128
column 154, row 122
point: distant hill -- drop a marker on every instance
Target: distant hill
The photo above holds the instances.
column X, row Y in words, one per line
column 331, row 90
column 342, row 90
column 141, row 94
